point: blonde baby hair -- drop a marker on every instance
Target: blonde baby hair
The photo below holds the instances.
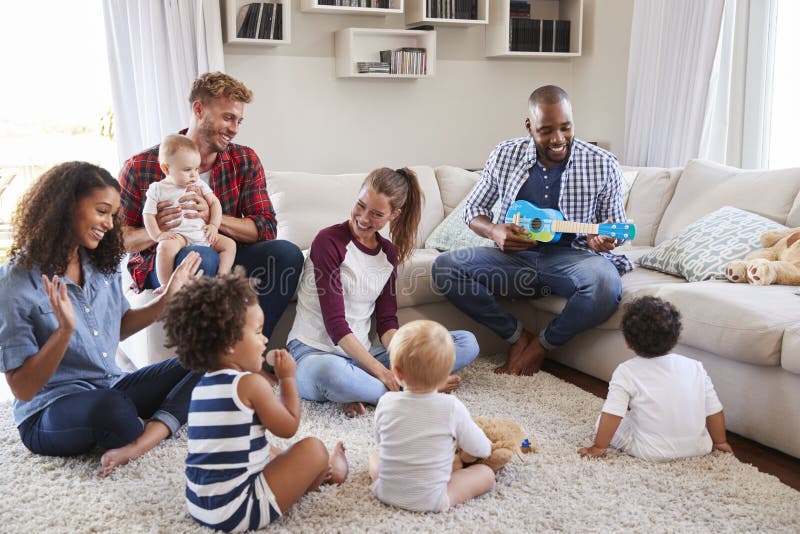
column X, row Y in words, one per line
column 425, row 352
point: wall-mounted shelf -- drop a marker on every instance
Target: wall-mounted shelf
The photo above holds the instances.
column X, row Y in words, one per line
column 498, row 30
column 234, row 16
column 313, row 6
column 419, row 12
column 353, row 45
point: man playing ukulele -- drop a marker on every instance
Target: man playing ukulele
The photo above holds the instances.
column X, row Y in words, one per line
column 553, row 170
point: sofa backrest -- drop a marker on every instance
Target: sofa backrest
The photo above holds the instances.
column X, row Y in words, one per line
column 305, row 203
column 705, row 186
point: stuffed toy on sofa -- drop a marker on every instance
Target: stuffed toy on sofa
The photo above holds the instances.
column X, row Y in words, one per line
column 777, row 263
column 508, row 439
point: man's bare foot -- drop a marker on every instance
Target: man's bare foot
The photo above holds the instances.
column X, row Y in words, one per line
column 339, row 466
column 114, row 457
column 526, row 363
column 452, row 384
column 515, row 352
column 354, row 409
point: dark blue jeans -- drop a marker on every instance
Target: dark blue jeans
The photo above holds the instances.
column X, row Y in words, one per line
column 277, row 264
column 472, row 278
column 111, row 418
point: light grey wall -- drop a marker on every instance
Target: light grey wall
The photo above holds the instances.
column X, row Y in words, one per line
column 304, row 118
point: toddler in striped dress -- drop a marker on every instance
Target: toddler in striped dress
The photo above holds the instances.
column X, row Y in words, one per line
column 416, row 430
column 235, row 481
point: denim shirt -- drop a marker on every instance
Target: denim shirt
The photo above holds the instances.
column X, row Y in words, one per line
column 27, row 321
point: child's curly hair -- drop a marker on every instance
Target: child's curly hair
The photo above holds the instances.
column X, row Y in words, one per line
column 44, row 221
column 651, row 326
column 207, row 317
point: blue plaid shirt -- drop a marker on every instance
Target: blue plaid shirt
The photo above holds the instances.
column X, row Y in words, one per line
column 590, row 187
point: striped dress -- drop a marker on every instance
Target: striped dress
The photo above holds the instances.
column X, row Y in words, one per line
column 225, row 485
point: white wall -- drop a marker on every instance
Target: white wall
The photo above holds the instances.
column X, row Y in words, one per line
column 304, row 118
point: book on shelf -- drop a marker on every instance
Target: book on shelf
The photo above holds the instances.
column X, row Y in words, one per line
column 407, row 60
column 452, row 9
column 260, row 20
column 373, row 66
column 372, row 4
column 520, row 9
column 535, row 35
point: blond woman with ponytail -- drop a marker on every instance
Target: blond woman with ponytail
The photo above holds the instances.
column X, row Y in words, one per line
column 349, row 277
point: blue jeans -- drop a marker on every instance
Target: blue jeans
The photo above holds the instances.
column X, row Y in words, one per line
column 322, row 376
column 276, row 263
column 110, row 418
column 472, row 278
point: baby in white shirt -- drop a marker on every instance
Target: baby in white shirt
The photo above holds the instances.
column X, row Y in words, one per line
column 660, row 405
column 180, row 161
column 416, row 430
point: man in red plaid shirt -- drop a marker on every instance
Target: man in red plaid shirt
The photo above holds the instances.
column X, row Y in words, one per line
column 236, row 176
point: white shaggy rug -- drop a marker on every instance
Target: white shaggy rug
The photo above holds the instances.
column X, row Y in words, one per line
column 554, row 490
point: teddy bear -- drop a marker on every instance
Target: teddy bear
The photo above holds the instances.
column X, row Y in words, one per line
column 777, row 263
column 507, row 437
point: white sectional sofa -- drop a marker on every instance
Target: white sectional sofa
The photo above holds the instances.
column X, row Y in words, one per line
column 747, row 337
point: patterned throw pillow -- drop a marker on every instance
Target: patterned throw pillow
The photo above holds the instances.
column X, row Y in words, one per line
column 702, row 249
column 628, row 178
column 452, row 233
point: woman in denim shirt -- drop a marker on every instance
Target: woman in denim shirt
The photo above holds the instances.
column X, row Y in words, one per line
column 62, row 314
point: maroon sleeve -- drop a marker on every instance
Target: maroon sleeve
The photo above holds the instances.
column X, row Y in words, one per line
column 327, row 254
column 386, row 304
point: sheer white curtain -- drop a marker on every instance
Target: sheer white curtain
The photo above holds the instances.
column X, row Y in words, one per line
column 737, row 129
column 156, row 49
column 673, row 46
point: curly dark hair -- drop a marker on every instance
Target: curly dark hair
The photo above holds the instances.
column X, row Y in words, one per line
column 44, row 221
column 207, row 317
column 651, row 326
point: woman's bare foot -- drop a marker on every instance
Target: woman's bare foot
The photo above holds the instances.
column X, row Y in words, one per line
column 339, row 466
column 452, row 384
column 354, row 409
column 114, row 457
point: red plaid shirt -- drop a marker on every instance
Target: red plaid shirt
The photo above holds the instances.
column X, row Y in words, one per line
column 237, row 178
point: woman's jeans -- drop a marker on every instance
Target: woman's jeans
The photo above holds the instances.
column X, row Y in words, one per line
column 323, row 376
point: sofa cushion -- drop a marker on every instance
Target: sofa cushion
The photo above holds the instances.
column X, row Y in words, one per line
column 414, row 283
column 790, row 350
column 453, row 233
column 737, row 321
column 305, row 203
column 705, row 186
column 702, row 249
column 648, row 198
column 454, row 184
column 637, row 283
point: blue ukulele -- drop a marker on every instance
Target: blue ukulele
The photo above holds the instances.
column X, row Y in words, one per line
column 547, row 225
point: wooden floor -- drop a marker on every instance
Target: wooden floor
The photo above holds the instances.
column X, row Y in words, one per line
column 766, row 460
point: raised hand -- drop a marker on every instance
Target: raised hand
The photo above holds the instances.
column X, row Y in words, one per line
column 59, row 300
column 285, row 365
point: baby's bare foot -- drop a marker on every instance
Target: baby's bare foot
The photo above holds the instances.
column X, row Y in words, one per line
column 354, row 409
column 339, row 465
column 452, row 384
column 114, row 457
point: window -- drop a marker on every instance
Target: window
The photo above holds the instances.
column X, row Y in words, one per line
column 56, row 94
column 785, row 115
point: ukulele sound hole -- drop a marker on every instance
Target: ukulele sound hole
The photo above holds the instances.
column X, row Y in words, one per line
column 536, row 224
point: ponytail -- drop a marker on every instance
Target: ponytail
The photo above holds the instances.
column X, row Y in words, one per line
column 402, row 188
